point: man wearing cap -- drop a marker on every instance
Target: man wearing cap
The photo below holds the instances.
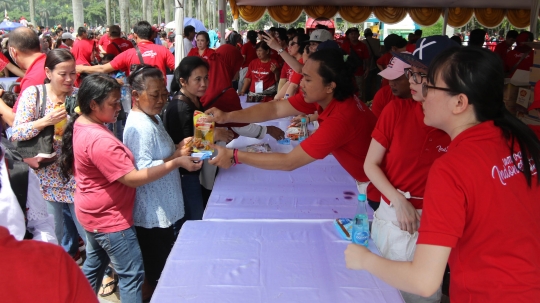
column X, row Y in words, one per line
column 353, row 47
column 392, row 43
column 408, row 148
column 521, row 57
column 155, row 55
column 67, row 41
column 117, row 44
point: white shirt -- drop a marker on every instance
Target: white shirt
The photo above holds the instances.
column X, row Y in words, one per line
column 187, row 46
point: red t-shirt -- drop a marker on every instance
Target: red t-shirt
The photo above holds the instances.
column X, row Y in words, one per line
column 248, row 50
column 35, row 75
column 502, row 49
column 259, row 71
column 104, row 41
column 513, row 56
column 102, row 203
column 297, row 77
column 384, row 60
column 82, row 51
column 47, row 269
column 122, row 44
column 536, row 129
column 360, row 49
column 274, row 56
column 411, row 47
column 479, row 204
column 206, row 54
column 63, row 46
column 344, row 131
column 152, row 54
column 381, row 99
column 286, row 71
column 411, row 147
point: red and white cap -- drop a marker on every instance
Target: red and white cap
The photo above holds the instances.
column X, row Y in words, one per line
column 395, row 69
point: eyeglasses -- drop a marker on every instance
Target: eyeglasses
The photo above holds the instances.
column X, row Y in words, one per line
column 416, row 76
column 291, row 44
column 425, row 88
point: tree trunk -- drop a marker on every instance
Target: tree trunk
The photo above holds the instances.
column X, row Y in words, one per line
column 149, row 7
column 166, row 6
column 108, row 12
column 189, row 8
column 205, row 14
column 78, row 13
column 159, row 5
column 215, row 11
column 143, row 6
column 124, row 15
column 32, row 5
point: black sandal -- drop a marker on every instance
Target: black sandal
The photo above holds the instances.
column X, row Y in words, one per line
column 112, row 283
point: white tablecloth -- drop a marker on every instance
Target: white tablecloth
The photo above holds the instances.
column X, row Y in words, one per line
column 265, row 261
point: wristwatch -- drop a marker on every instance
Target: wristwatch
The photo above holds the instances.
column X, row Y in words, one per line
column 280, row 50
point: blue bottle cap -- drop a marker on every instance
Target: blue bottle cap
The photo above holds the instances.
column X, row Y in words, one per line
column 362, row 197
column 304, row 120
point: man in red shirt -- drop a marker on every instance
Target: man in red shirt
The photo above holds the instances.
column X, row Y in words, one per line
column 24, row 49
column 155, row 55
column 117, row 44
column 104, row 41
column 67, row 41
column 362, row 52
column 504, row 47
column 398, row 87
column 521, row 57
column 83, row 51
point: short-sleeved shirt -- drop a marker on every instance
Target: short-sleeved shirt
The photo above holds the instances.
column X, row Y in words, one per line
column 297, row 77
column 249, row 52
column 35, row 74
column 286, row 71
column 259, row 71
column 83, row 50
column 502, row 49
column 513, row 57
column 103, row 204
column 361, row 51
column 383, row 61
column 479, row 204
column 152, row 54
column 104, row 41
column 411, row 47
column 345, row 131
column 381, row 99
column 117, row 46
column 411, row 147
column 206, row 54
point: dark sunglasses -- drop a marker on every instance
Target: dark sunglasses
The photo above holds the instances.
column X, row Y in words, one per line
column 416, row 76
column 291, row 44
column 426, row 87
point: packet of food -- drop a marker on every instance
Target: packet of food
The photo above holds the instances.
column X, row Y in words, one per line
column 60, row 127
column 204, row 132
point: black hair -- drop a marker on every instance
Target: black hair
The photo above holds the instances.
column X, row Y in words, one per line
column 262, row 45
column 24, row 40
column 292, row 31
column 143, row 29
column 58, row 31
column 352, row 29
column 137, row 79
column 186, row 67
column 300, row 30
column 477, row 37
column 9, row 98
column 206, row 36
column 282, row 34
column 94, row 87
column 478, row 73
column 81, row 30
column 513, row 34
column 456, row 38
column 335, row 68
column 252, row 36
column 321, row 26
column 57, row 56
column 108, row 57
column 401, row 42
column 188, row 30
column 418, row 32
column 303, row 40
column 233, row 38
column 114, row 31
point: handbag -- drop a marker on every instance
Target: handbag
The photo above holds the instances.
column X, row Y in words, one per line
column 38, row 152
column 255, row 97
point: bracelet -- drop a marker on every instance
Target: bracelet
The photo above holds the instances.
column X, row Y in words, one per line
column 280, row 51
column 235, row 156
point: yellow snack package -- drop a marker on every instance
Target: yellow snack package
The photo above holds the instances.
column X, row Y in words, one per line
column 204, row 132
column 59, row 127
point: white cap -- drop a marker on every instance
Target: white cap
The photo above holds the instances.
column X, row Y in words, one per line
column 68, row 36
column 320, row 35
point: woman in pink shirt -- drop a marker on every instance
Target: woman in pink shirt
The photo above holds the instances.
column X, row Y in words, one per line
column 106, row 179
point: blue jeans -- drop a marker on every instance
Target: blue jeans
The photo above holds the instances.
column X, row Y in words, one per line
column 72, row 230
column 55, row 209
column 193, row 201
column 122, row 250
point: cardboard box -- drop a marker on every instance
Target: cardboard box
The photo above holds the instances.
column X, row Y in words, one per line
column 536, row 59
column 510, row 92
column 524, row 97
column 534, row 74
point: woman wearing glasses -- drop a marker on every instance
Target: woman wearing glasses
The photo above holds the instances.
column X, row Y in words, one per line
column 295, row 49
column 408, row 148
column 481, row 200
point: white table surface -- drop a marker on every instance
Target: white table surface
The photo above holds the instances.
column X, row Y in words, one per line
column 265, row 261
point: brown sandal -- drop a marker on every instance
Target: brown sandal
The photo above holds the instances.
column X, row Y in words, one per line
column 112, row 283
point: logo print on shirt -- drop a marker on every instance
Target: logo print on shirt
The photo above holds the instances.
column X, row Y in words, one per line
column 149, row 53
column 442, row 149
column 509, row 169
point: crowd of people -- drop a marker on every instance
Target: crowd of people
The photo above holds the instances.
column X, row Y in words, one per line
column 451, row 174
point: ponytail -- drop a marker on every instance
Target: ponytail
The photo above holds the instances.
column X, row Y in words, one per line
column 66, row 159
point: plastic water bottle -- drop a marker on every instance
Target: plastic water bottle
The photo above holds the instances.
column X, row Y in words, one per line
column 286, row 96
column 303, row 130
column 360, row 232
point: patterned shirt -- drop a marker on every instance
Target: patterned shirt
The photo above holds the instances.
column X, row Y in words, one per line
column 52, row 184
column 160, row 203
